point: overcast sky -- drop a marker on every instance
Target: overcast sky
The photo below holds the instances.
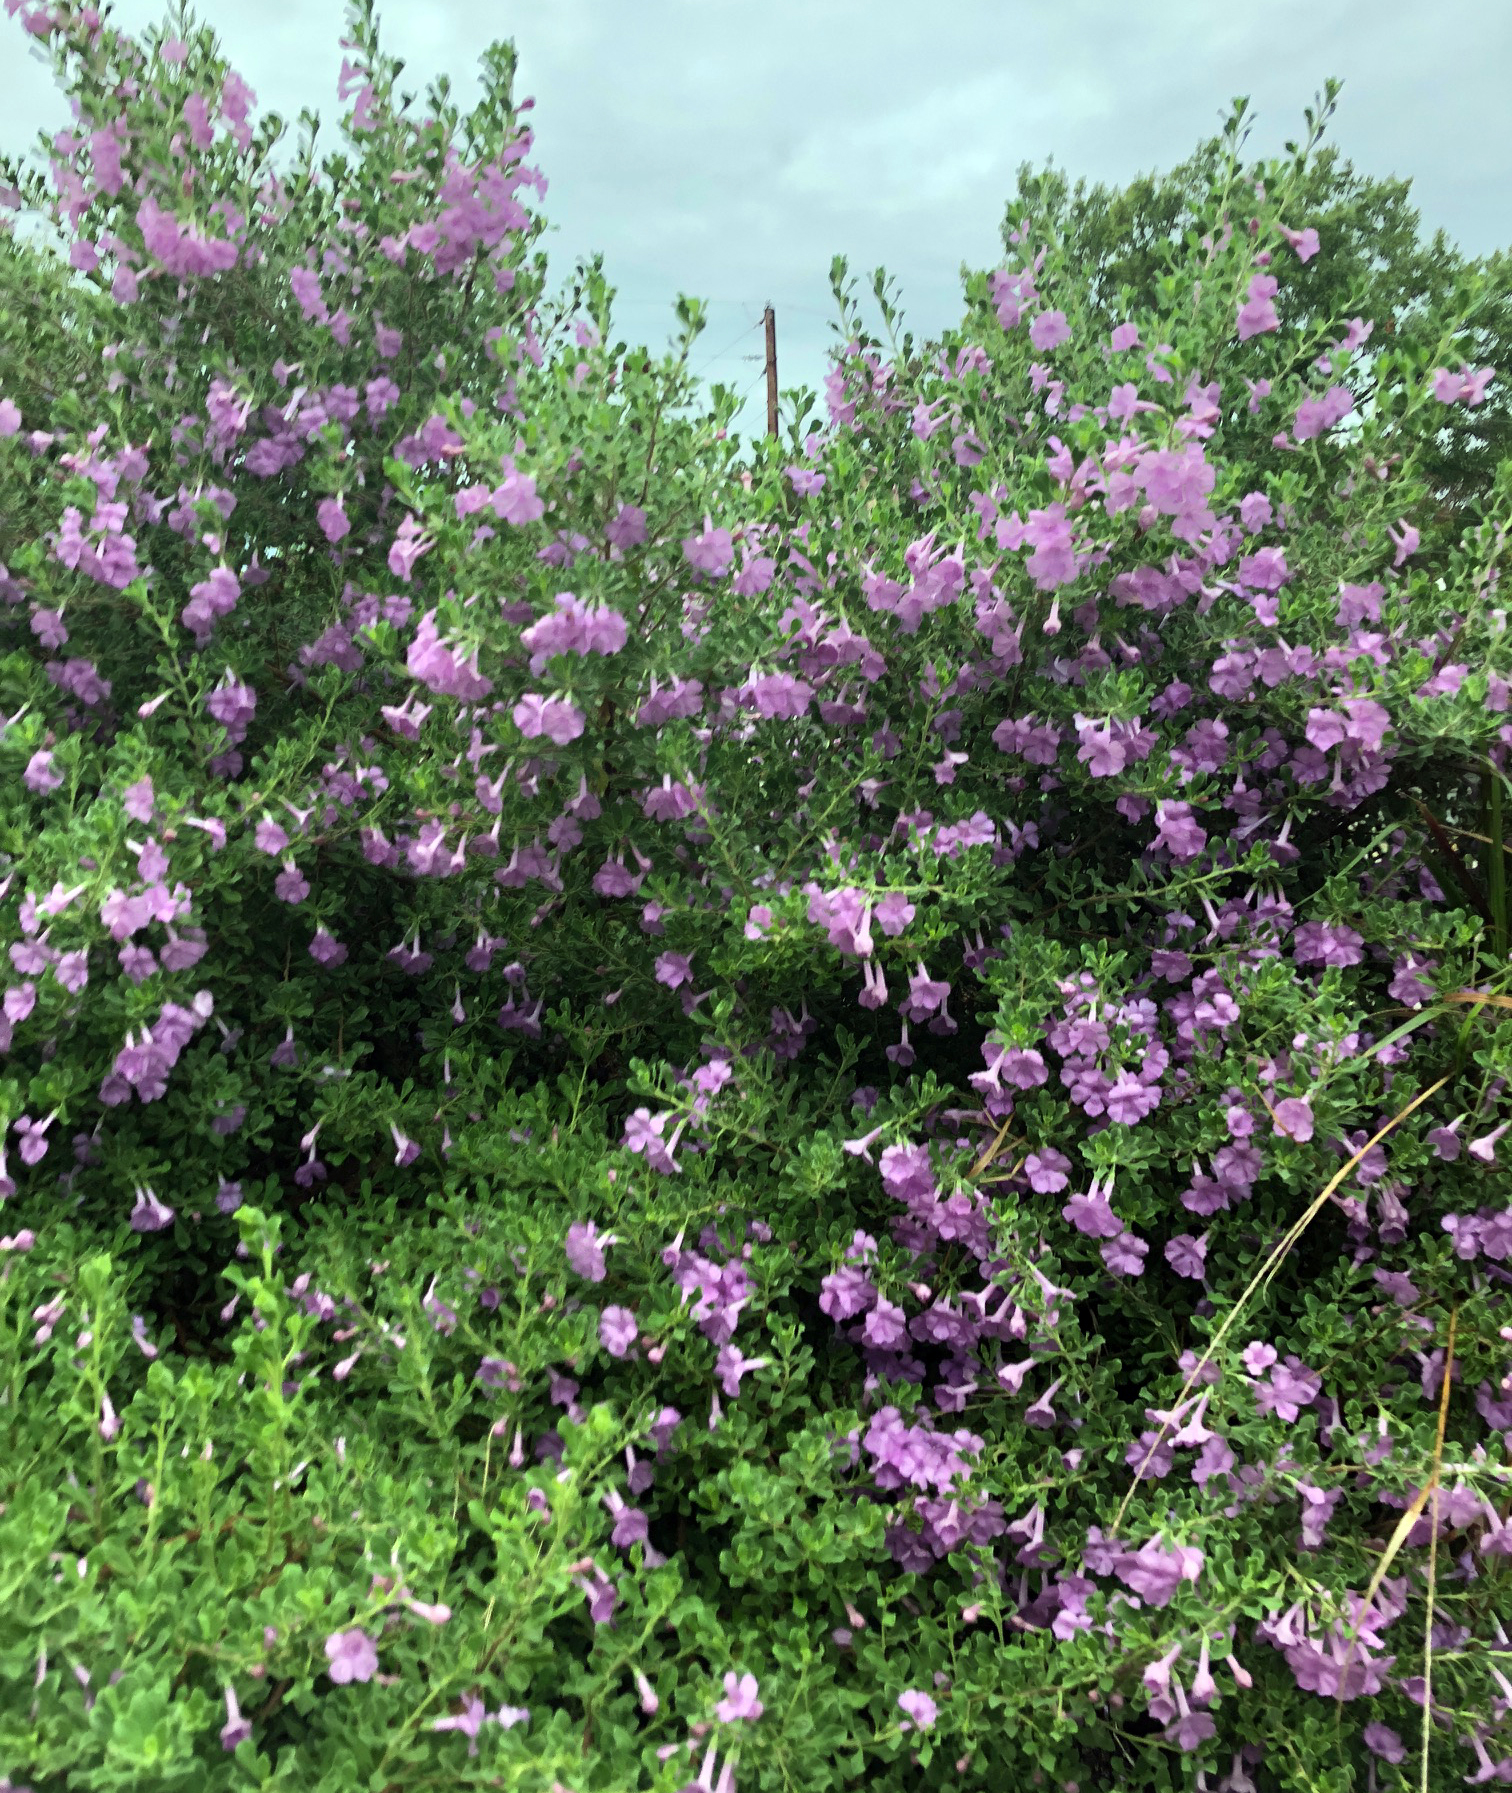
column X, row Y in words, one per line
column 728, row 150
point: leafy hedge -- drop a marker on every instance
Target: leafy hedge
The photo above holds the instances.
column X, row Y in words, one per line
column 684, row 1118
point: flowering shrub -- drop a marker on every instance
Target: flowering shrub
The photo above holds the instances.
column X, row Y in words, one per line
column 677, row 1120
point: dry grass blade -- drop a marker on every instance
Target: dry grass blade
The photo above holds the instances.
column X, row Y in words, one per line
column 1438, row 1464
column 1496, row 1002
column 1410, row 1518
column 1266, row 1271
column 991, row 1152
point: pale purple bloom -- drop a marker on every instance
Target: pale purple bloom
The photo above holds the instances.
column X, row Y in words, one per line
column 1049, row 330
column 352, row 1656
column 1125, row 1255
column 291, row 885
column 1154, row 1572
column 236, row 1729
column 1130, row 1100
column 740, row 1699
column 554, row 717
column 469, row 1722
column 516, row 500
column 713, row 552
column 585, row 1250
column 1177, row 829
column 1466, row 386
column 330, row 513
column 1092, row 1215
column 326, row 949
column 150, row 1215
column 674, row 970
column 136, row 800
column 1292, row 1386
column 919, row 1709
column 1293, row 1119
column 1445, row 1140
column 39, row 775
column 1382, row 1741
column 1257, row 314
column 1483, row 1150
column 617, row 1330
column 1048, row 1171
column 1315, row 416
column 731, row 1364
column 627, row 529
column 1187, row 1255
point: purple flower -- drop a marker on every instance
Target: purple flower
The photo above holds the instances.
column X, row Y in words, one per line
column 1125, row 1255
column 1293, row 1119
column 627, row 529
column 236, row 1729
column 1483, row 1150
column 1257, row 314
column 1382, row 1741
column 1463, row 387
column 291, row 885
column 516, row 500
column 919, row 1708
column 330, row 513
column 674, row 970
column 553, row 717
column 1177, row 830
column 1292, row 1386
column 1445, row 1140
column 1129, row 1100
column 1049, row 330
column 617, row 1330
column 846, row 1292
column 585, row 1250
column 353, row 1656
column 713, row 552
column 326, row 949
column 39, row 775
column 150, row 1215
column 1023, row 1067
column 1187, row 1256
column 1091, row 1214
column 1154, row 1572
column 469, row 1722
column 1317, row 415
column 1048, row 1171
column 1191, row 1729
column 740, row 1699
column 498, row 1372
column 731, row 1365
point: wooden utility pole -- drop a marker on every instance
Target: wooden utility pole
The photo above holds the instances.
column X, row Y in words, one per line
column 771, row 370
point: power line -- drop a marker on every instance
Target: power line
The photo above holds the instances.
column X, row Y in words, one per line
column 704, row 365
column 817, row 311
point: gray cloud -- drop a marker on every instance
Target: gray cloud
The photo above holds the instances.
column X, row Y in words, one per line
column 728, row 152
